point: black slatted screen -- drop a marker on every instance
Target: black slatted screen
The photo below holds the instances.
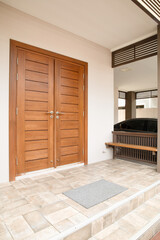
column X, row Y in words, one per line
column 140, row 50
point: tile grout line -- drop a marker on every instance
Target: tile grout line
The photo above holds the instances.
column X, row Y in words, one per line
column 103, row 213
column 9, row 231
column 52, row 170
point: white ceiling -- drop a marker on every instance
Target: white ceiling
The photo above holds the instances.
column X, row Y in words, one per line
column 110, row 23
column 136, row 76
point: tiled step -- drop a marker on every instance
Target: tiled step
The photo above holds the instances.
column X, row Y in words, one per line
column 106, row 222
column 140, row 224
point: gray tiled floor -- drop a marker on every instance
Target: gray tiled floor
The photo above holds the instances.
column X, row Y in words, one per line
column 35, row 208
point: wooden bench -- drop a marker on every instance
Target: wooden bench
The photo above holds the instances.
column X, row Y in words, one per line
column 134, row 146
column 124, row 145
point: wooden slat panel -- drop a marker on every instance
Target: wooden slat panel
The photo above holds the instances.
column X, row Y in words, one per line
column 70, row 116
column 37, row 58
column 69, row 142
column 70, row 95
column 35, row 145
column 69, row 159
column 69, row 108
column 36, row 106
column 37, row 77
column 36, row 165
column 31, row 115
column 37, row 154
column 70, row 66
column 69, row 91
column 38, row 99
column 69, row 133
column 69, row 99
column 69, row 74
column 69, row 124
column 36, row 96
column 37, row 67
column 20, row 133
column 36, row 125
column 36, row 86
column 69, row 150
column 69, row 82
column 36, row 135
column 51, row 103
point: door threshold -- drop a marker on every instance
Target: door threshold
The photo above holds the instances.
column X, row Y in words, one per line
column 49, row 170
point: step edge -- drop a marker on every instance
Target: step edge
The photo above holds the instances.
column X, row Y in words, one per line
column 88, row 221
column 145, row 228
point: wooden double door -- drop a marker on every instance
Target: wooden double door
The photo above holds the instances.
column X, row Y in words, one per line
column 49, row 113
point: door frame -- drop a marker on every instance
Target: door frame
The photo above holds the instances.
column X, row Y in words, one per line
column 14, row 45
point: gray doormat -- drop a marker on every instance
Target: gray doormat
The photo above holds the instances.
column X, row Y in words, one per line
column 94, row 193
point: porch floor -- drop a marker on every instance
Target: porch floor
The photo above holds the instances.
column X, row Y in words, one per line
column 35, row 208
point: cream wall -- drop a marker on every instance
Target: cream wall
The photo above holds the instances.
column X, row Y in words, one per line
column 147, row 113
column 121, row 115
column 116, row 93
column 21, row 27
column 140, row 113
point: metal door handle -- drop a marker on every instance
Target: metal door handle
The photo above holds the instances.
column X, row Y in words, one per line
column 59, row 113
column 51, row 112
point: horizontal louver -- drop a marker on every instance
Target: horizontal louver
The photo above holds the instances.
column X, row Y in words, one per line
column 147, row 94
column 122, row 95
column 154, row 5
column 140, row 50
column 151, row 7
column 125, row 56
column 146, row 49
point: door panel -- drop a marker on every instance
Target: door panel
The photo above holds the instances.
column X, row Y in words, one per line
column 36, row 125
column 36, row 76
column 69, row 82
column 69, row 124
column 36, row 165
column 35, row 97
column 69, row 133
column 69, row 150
column 72, row 158
column 70, row 121
column 69, row 142
column 36, row 154
column 36, row 86
column 68, row 91
column 70, row 116
column 36, row 67
column 34, row 115
column 36, row 106
column 36, row 58
column 36, row 135
column 71, row 74
column 36, row 145
column 69, row 108
column 69, row 99
column 43, row 139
